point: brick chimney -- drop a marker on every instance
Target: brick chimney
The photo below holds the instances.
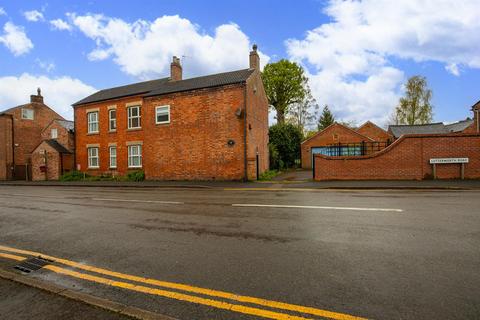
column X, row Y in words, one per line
column 476, row 116
column 37, row 98
column 254, row 58
column 175, row 70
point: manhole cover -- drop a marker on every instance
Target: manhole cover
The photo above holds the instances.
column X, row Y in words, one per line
column 32, row 264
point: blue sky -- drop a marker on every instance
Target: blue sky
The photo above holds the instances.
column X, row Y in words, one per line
column 357, row 53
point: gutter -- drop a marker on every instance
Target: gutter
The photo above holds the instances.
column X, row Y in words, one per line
column 245, row 132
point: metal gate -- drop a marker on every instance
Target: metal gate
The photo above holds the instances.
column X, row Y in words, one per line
column 23, row 172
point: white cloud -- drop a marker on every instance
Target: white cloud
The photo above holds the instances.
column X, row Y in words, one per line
column 60, row 24
column 353, row 52
column 59, row 93
column 2, row 12
column 15, row 39
column 144, row 49
column 33, row 16
column 47, row 66
column 453, row 69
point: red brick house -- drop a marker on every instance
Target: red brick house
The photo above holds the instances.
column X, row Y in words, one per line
column 54, row 156
column 336, row 133
column 204, row 128
column 20, row 132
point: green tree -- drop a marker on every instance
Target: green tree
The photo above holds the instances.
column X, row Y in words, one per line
column 415, row 106
column 325, row 119
column 303, row 114
column 285, row 138
column 285, row 84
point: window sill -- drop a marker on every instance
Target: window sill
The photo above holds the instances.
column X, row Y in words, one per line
column 135, row 167
column 92, row 133
column 134, row 129
column 162, row 123
column 112, row 131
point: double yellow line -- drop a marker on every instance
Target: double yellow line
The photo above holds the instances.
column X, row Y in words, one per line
column 182, row 287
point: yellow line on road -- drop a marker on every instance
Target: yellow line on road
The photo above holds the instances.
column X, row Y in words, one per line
column 168, row 294
column 204, row 291
column 11, row 256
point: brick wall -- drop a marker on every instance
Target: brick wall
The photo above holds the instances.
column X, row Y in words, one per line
column 335, row 133
column 5, row 147
column 45, row 155
column 406, row 159
column 65, row 138
column 28, row 132
column 257, row 130
column 193, row 146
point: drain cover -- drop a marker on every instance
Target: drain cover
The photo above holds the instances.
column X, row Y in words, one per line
column 33, row 264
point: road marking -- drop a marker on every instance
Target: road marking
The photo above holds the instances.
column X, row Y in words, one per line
column 134, row 200
column 312, row 207
column 11, row 256
column 192, row 289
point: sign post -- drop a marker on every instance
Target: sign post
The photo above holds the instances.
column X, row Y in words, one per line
column 435, row 161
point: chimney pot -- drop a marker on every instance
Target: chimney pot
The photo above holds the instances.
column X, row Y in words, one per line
column 175, row 69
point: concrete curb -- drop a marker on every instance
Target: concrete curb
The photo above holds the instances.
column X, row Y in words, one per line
column 129, row 311
column 33, row 184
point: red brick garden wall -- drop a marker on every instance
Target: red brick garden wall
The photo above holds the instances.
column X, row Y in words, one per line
column 406, row 159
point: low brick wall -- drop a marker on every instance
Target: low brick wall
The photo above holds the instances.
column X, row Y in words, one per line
column 406, row 159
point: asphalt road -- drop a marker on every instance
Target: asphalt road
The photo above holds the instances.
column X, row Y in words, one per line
column 370, row 254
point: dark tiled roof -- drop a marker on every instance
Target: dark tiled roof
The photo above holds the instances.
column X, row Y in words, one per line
column 215, row 80
column 57, row 146
column 431, row 128
column 398, row 130
column 164, row 86
column 123, row 91
column 459, row 126
column 69, row 125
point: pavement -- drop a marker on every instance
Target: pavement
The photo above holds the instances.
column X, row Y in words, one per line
column 22, row 302
column 229, row 253
column 274, row 184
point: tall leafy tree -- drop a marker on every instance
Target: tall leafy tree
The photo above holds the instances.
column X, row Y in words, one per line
column 285, row 84
column 415, row 106
column 326, row 118
column 303, row 114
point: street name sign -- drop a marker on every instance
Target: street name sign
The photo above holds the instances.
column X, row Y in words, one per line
column 448, row 160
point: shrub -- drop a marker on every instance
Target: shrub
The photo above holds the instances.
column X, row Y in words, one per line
column 136, row 176
column 73, row 176
column 268, row 175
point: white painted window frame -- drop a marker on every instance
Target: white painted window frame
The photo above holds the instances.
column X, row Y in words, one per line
column 25, row 114
column 91, row 156
column 138, row 155
column 159, row 109
column 110, row 120
column 130, row 117
column 113, row 156
column 52, row 135
column 92, row 122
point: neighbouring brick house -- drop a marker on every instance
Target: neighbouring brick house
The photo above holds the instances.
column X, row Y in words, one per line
column 338, row 139
column 54, row 156
column 409, row 156
column 21, row 130
column 204, row 128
